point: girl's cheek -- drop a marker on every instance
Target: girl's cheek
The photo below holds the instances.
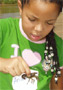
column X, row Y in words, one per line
column 27, row 26
column 50, row 28
column 27, row 23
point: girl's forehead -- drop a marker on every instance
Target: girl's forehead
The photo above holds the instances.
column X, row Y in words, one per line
column 40, row 8
column 50, row 1
column 42, row 5
column 41, row 2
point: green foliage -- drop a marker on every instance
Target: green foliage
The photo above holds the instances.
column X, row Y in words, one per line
column 8, row 1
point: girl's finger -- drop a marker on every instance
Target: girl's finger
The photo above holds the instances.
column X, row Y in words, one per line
column 24, row 66
column 17, row 70
column 27, row 69
column 12, row 72
column 21, row 67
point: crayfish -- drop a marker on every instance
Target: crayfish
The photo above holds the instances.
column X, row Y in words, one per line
column 31, row 76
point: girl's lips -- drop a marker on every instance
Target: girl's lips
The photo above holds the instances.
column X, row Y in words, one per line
column 35, row 37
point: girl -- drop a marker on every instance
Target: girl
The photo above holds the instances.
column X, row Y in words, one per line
column 29, row 49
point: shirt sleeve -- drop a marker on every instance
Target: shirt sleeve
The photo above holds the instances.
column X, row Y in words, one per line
column 0, row 38
column 3, row 32
column 5, row 28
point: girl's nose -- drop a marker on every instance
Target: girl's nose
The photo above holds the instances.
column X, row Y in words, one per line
column 39, row 28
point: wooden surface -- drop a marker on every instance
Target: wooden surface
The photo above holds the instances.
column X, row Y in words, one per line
column 59, row 26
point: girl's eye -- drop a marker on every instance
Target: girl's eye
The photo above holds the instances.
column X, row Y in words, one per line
column 50, row 23
column 31, row 19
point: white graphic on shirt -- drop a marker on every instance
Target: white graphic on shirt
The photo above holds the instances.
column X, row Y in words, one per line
column 16, row 47
column 31, row 58
column 18, row 83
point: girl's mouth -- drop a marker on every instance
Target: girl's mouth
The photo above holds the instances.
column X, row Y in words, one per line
column 34, row 37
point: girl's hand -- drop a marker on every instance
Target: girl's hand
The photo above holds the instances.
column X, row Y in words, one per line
column 14, row 66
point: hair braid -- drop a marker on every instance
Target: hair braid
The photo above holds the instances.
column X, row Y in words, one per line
column 51, row 42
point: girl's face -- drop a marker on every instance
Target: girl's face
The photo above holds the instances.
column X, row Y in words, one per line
column 38, row 18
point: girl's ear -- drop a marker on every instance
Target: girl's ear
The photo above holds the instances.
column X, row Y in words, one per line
column 20, row 7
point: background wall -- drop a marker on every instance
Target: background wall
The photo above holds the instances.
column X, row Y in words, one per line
column 59, row 26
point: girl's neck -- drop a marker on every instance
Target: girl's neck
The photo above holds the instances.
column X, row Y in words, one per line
column 21, row 29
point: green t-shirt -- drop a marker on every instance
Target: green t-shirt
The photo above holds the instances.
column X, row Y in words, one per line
column 13, row 44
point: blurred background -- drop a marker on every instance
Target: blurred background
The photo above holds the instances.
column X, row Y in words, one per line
column 9, row 8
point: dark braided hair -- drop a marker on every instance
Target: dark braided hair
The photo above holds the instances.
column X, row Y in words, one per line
column 50, row 37
column 51, row 42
